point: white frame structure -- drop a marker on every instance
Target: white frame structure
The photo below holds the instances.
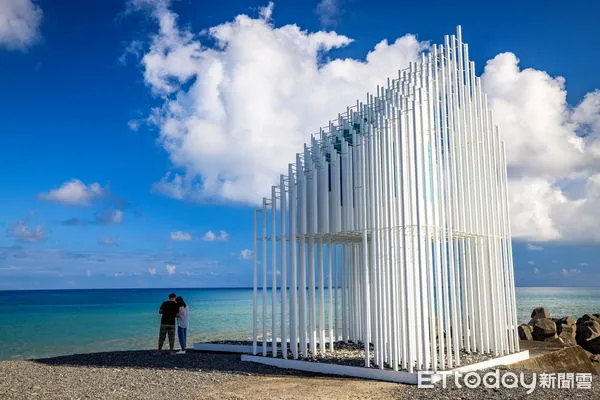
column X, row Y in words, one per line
column 391, row 229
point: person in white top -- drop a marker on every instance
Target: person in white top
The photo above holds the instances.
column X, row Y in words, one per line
column 182, row 323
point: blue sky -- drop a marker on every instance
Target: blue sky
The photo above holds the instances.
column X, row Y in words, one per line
column 97, row 186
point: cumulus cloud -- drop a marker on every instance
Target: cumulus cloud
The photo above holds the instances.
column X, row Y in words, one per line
column 170, row 269
column 233, row 115
column 180, row 236
column 211, row 237
column 552, row 149
column 108, row 241
column 22, row 232
column 536, row 271
column 152, row 271
column 534, row 247
column 584, row 264
column 531, row 262
column 74, row 192
column 246, row 254
column 19, row 24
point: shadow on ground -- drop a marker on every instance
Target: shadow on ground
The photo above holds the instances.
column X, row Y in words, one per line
column 193, row 360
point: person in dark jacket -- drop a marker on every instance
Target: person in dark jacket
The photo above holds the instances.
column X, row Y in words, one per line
column 169, row 310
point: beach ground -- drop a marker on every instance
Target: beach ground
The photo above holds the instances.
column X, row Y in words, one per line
column 196, row 375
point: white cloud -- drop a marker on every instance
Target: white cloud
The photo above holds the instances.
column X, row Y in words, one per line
column 536, row 271
column 108, row 241
column 74, row 192
column 181, row 236
column 554, row 182
column 22, row 232
column 19, row 24
column 530, row 262
column 170, row 269
column 88, row 273
column 111, row 217
column 118, row 274
column 570, row 272
column 234, row 115
column 152, row 271
column 211, row 237
column 246, row 254
column 133, row 49
column 329, row 12
column 534, row 247
column 584, row 264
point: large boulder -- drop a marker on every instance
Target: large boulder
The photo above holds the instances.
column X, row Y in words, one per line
column 588, row 330
column 593, row 346
column 588, row 317
column 588, row 335
column 543, row 328
column 540, row 312
column 567, row 338
column 525, row 332
column 566, row 324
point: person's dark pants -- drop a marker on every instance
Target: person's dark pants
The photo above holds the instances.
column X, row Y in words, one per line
column 182, row 333
column 164, row 331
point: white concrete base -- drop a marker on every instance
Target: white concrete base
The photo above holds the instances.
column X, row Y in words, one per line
column 230, row 348
column 379, row 374
column 495, row 362
column 335, row 369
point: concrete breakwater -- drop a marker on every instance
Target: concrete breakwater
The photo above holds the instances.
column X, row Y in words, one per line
column 564, row 331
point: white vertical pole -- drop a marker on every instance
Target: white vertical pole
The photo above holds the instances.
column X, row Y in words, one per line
column 264, row 276
column 283, row 242
column 301, row 176
column 365, row 261
column 330, row 266
column 273, row 272
column 254, row 288
column 293, row 270
column 321, row 257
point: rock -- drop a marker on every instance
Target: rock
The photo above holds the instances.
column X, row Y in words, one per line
column 587, row 330
column 565, row 324
column 588, row 335
column 543, row 328
column 540, row 312
column 525, row 332
column 568, row 338
column 588, row 317
column 593, row 346
column 556, row 341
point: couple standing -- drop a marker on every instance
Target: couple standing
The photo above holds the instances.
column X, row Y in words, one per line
column 171, row 310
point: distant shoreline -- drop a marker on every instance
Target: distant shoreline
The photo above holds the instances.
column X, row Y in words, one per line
column 221, row 288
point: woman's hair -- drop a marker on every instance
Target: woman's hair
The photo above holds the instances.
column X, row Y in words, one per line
column 180, row 301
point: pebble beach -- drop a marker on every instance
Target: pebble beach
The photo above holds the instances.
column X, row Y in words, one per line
column 200, row 375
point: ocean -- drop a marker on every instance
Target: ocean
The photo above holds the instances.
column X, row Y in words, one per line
column 48, row 323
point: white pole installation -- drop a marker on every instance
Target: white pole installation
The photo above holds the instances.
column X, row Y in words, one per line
column 400, row 205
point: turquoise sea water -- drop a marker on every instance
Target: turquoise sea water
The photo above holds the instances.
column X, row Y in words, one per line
column 59, row 322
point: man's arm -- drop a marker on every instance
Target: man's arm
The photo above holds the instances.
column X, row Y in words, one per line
column 160, row 310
